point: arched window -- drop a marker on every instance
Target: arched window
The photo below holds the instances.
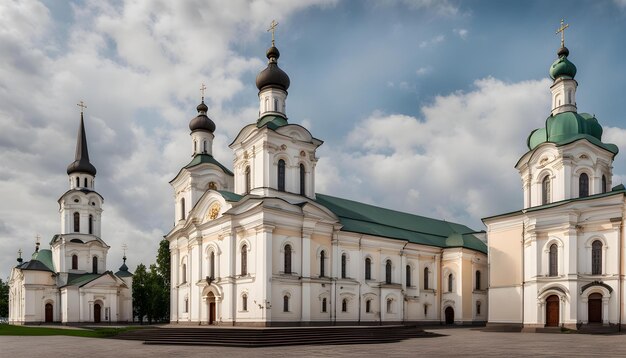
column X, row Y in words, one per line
column 74, row 262
column 324, row 304
column 603, row 184
column 426, row 278
column 91, row 224
column 94, row 264
column 344, row 305
column 184, row 273
column 408, row 276
column 388, row 272
column 275, row 104
column 583, row 185
column 77, row 182
column 287, row 265
column 267, row 104
column 389, row 304
column 204, row 146
column 450, row 282
column 186, row 305
column 285, row 303
column 248, row 182
column 212, row 264
column 195, row 146
column 545, row 190
column 477, row 307
column 244, row 302
column 322, row 262
column 368, row 306
column 244, row 260
column 281, row 175
column 85, row 181
column 477, row 280
column 302, row 179
column 76, row 222
column 553, row 260
column 368, row 268
column 596, row 258
column 343, row 265
column 182, row 208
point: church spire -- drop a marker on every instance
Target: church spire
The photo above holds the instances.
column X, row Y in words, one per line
column 81, row 162
column 563, row 72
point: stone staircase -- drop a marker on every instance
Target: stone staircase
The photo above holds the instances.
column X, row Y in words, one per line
column 268, row 337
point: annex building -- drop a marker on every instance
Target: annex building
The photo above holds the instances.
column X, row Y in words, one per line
column 559, row 262
column 256, row 245
column 69, row 282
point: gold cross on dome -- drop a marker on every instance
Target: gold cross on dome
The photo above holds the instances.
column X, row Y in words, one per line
column 82, row 106
column 273, row 29
column 124, row 247
column 202, row 89
column 562, row 31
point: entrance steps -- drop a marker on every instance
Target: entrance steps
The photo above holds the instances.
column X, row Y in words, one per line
column 268, row 337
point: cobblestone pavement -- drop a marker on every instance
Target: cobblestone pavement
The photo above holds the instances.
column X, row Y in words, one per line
column 453, row 342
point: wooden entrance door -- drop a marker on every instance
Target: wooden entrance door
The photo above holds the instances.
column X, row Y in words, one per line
column 552, row 311
column 96, row 312
column 449, row 315
column 211, row 312
column 594, row 308
column 49, row 312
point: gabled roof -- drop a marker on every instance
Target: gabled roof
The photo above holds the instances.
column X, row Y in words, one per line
column 203, row 159
column 372, row 220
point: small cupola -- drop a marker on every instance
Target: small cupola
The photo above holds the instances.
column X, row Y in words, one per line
column 202, row 128
column 273, row 84
column 562, row 73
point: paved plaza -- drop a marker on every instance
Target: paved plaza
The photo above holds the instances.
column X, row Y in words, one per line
column 453, row 342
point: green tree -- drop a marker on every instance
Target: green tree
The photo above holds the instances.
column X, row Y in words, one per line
column 140, row 292
column 4, row 298
column 163, row 262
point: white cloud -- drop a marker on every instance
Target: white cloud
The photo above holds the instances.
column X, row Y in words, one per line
column 137, row 65
column 462, row 33
column 435, row 40
column 620, row 3
column 455, row 162
column 422, row 71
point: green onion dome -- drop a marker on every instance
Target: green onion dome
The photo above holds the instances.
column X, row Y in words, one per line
column 562, row 67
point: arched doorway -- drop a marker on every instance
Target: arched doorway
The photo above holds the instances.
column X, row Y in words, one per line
column 49, row 311
column 594, row 308
column 97, row 311
column 449, row 312
column 210, row 298
column 552, row 311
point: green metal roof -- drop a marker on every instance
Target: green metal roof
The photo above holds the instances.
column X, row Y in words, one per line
column 206, row 158
column 271, row 121
column 372, row 220
column 123, row 272
column 40, row 261
column 562, row 67
column 80, row 279
column 229, row 196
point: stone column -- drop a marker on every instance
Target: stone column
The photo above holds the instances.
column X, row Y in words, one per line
column 264, row 264
column 306, row 275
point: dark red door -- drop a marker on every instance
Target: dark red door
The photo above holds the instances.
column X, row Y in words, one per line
column 211, row 312
column 49, row 312
column 96, row 313
column 552, row 311
column 449, row 315
column 594, row 307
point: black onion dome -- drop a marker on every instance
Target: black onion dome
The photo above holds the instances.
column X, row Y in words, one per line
column 272, row 75
column 202, row 122
column 563, row 51
column 81, row 162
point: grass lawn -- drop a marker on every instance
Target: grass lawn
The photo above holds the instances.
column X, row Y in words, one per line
column 11, row 330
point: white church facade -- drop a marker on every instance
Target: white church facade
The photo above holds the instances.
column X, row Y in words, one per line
column 559, row 262
column 69, row 282
column 258, row 246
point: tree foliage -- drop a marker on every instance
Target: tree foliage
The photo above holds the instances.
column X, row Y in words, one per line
column 151, row 288
column 4, row 298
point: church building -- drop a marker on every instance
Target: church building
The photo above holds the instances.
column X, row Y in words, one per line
column 559, row 262
column 69, row 282
column 256, row 245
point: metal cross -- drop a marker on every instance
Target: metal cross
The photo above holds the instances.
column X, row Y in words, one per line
column 562, row 31
column 19, row 252
column 273, row 29
column 124, row 247
column 202, row 89
column 37, row 237
column 82, row 106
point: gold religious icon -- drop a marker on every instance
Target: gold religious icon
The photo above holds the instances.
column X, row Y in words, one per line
column 562, row 31
column 273, row 29
column 214, row 211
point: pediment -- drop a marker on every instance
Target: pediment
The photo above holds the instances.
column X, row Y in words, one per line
column 211, row 206
column 107, row 280
column 319, row 212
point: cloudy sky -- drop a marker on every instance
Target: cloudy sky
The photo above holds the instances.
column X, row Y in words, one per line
column 424, row 105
